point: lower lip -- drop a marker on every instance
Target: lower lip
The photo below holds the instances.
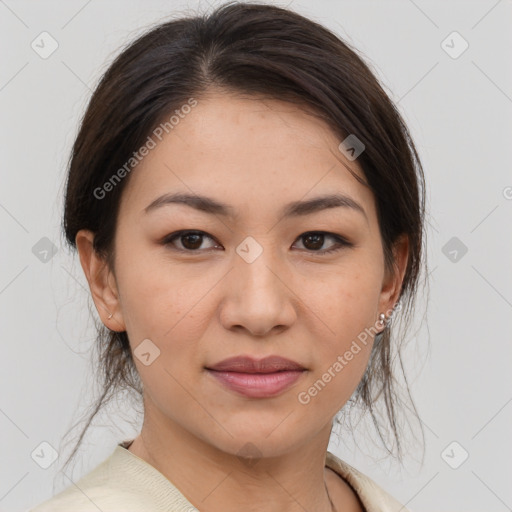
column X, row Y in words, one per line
column 258, row 385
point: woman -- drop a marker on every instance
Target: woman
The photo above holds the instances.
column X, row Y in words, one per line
column 247, row 206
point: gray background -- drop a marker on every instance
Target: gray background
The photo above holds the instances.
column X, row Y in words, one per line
column 459, row 111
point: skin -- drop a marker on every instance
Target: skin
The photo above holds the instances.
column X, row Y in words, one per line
column 202, row 307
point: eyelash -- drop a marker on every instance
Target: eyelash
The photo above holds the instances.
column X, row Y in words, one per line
column 341, row 242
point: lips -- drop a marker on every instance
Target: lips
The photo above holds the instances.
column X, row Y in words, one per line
column 243, row 364
column 257, row 378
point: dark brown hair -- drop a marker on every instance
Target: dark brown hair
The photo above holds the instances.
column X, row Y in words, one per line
column 268, row 51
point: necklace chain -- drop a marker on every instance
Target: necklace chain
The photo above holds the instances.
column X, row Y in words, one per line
column 333, row 509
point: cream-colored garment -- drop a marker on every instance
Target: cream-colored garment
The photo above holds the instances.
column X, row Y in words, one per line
column 126, row 483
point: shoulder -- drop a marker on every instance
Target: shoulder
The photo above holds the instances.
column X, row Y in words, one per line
column 89, row 493
column 111, row 486
column 373, row 497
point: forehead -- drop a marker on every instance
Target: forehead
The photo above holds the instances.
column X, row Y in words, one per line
column 251, row 152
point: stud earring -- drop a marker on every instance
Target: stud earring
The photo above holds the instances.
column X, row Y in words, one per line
column 110, row 316
column 381, row 321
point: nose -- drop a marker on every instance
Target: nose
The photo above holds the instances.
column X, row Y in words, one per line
column 258, row 297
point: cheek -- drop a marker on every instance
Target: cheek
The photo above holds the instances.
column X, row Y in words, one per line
column 159, row 297
column 346, row 303
column 340, row 365
column 345, row 306
column 166, row 309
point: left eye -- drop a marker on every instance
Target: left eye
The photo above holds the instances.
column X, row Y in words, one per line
column 191, row 241
column 316, row 239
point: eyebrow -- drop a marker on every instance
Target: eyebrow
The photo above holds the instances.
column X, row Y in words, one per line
column 294, row 209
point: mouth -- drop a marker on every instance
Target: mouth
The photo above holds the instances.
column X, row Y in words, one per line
column 246, row 364
column 263, row 378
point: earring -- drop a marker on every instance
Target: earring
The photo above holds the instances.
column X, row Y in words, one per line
column 110, row 316
column 381, row 321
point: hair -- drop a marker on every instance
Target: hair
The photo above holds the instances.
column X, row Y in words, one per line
column 263, row 50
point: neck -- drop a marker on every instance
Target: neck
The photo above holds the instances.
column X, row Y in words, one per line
column 212, row 479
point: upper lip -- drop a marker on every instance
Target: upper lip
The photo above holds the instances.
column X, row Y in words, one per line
column 246, row 364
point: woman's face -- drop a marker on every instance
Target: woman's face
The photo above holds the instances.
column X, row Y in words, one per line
column 255, row 281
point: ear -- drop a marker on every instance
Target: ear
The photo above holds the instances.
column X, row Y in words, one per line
column 393, row 278
column 101, row 280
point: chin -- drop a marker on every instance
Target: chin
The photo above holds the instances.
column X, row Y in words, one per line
column 256, row 438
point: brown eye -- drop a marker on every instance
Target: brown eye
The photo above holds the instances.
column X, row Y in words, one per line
column 314, row 240
column 190, row 241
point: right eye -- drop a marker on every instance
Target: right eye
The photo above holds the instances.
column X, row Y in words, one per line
column 190, row 240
